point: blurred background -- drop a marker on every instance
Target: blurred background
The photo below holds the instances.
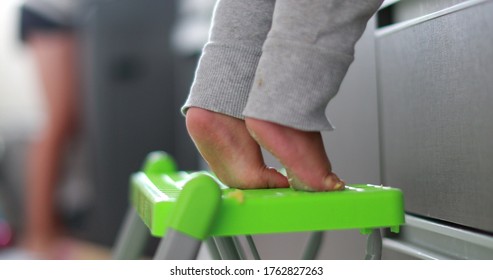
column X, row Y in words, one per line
column 87, row 90
column 89, row 87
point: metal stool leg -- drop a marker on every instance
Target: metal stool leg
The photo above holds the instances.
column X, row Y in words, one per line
column 227, row 248
column 132, row 237
column 213, row 250
column 177, row 246
column 313, row 245
column 253, row 248
column 239, row 248
column 374, row 245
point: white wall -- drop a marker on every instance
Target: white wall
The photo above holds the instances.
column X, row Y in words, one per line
column 21, row 108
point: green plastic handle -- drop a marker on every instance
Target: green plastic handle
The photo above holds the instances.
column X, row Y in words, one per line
column 197, row 206
column 159, row 162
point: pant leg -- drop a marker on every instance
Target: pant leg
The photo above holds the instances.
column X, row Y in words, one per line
column 305, row 57
column 227, row 66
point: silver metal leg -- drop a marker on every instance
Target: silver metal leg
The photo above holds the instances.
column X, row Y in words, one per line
column 177, row 246
column 253, row 248
column 211, row 246
column 313, row 245
column 227, row 248
column 374, row 245
column 239, row 248
column 132, row 238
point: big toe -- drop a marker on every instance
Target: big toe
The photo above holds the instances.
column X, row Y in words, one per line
column 329, row 183
column 333, row 183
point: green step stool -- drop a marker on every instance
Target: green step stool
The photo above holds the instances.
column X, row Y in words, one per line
column 186, row 209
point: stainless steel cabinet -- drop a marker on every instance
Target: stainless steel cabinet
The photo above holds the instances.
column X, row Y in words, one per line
column 436, row 112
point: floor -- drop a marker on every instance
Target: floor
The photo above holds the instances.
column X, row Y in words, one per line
column 67, row 249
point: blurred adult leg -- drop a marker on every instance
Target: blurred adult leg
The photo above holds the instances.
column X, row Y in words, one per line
column 55, row 58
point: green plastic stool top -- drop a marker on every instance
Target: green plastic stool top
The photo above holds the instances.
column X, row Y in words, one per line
column 159, row 192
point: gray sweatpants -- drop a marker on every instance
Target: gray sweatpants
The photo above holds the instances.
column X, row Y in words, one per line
column 278, row 60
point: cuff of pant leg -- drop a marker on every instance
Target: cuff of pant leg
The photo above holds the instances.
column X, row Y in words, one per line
column 223, row 79
column 294, row 84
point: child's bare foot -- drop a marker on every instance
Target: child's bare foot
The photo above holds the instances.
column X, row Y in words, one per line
column 301, row 152
column 232, row 154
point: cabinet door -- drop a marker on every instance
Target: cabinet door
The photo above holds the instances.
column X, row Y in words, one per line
column 435, row 79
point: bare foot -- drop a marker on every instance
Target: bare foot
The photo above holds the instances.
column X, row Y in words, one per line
column 301, row 152
column 232, row 154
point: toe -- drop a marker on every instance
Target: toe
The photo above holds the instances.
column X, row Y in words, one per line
column 333, row 183
column 274, row 179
